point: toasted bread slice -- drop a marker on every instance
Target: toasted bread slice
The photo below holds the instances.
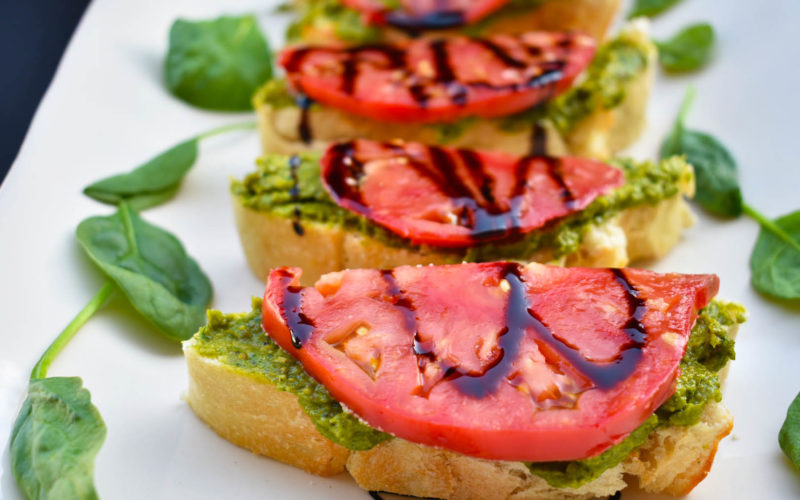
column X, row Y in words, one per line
column 608, row 128
column 588, row 16
column 247, row 410
column 270, row 240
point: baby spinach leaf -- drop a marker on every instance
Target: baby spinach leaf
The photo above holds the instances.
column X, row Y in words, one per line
column 688, row 50
column 149, row 184
column 157, row 180
column 55, row 439
column 715, row 169
column 217, row 64
column 789, row 436
column 650, row 8
column 775, row 265
column 151, row 268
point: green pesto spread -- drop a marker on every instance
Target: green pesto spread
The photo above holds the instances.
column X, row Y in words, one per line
column 238, row 341
column 269, row 189
column 615, row 65
column 708, row 351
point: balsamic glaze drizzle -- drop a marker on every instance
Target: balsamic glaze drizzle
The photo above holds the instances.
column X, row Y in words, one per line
column 538, row 140
column 300, row 326
column 294, row 192
column 304, row 124
column 433, row 21
column 473, row 197
column 458, row 91
column 520, row 320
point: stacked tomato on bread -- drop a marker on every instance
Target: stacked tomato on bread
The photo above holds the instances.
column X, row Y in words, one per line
column 359, row 21
column 476, row 380
column 516, row 93
column 384, row 204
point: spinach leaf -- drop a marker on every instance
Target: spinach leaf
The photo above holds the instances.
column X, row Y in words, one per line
column 152, row 269
column 716, row 173
column 55, row 439
column 688, row 50
column 650, row 8
column 217, row 64
column 789, row 436
column 157, row 180
column 775, row 262
column 149, row 184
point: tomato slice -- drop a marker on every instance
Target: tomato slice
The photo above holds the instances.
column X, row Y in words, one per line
column 425, row 14
column 440, row 80
column 494, row 360
column 456, row 197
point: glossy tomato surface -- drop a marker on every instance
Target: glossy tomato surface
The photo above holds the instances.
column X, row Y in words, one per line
column 440, row 80
column 456, row 197
column 494, row 360
column 425, row 14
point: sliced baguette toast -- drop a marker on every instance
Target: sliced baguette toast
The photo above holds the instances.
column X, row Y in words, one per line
column 250, row 412
column 269, row 240
column 588, row 16
column 600, row 134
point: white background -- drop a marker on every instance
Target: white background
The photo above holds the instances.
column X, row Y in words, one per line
column 107, row 111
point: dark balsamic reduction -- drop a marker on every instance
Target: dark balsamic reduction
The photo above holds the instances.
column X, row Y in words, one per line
column 475, row 208
column 458, row 91
column 395, row 295
column 300, row 326
column 538, row 140
column 294, row 192
column 437, row 20
column 501, row 53
column 520, row 319
column 480, row 385
column 555, row 169
column 304, row 124
column 609, row 374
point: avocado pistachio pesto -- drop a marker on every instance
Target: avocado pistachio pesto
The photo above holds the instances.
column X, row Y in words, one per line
column 294, row 189
column 604, row 87
column 331, row 16
column 239, row 342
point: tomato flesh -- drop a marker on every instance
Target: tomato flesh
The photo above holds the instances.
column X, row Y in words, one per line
column 456, row 197
column 494, row 360
column 425, row 14
column 442, row 80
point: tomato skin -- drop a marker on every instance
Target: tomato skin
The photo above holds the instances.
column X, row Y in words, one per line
column 448, row 197
column 441, row 80
column 364, row 353
column 426, row 14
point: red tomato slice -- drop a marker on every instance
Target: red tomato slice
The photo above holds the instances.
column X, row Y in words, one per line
column 425, row 14
column 457, row 197
column 494, row 360
column 443, row 80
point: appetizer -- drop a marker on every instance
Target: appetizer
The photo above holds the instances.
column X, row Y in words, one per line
column 533, row 93
column 372, row 204
column 367, row 21
column 476, row 380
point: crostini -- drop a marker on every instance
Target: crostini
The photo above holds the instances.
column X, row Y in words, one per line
column 367, row 21
column 535, row 93
column 381, row 205
column 476, row 381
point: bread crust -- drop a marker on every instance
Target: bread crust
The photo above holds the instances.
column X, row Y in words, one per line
column 251, row 413
column 592, row 17
column 599, row 135
column 269, row 240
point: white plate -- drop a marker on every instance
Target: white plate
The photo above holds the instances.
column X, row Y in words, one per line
column 107, row 111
